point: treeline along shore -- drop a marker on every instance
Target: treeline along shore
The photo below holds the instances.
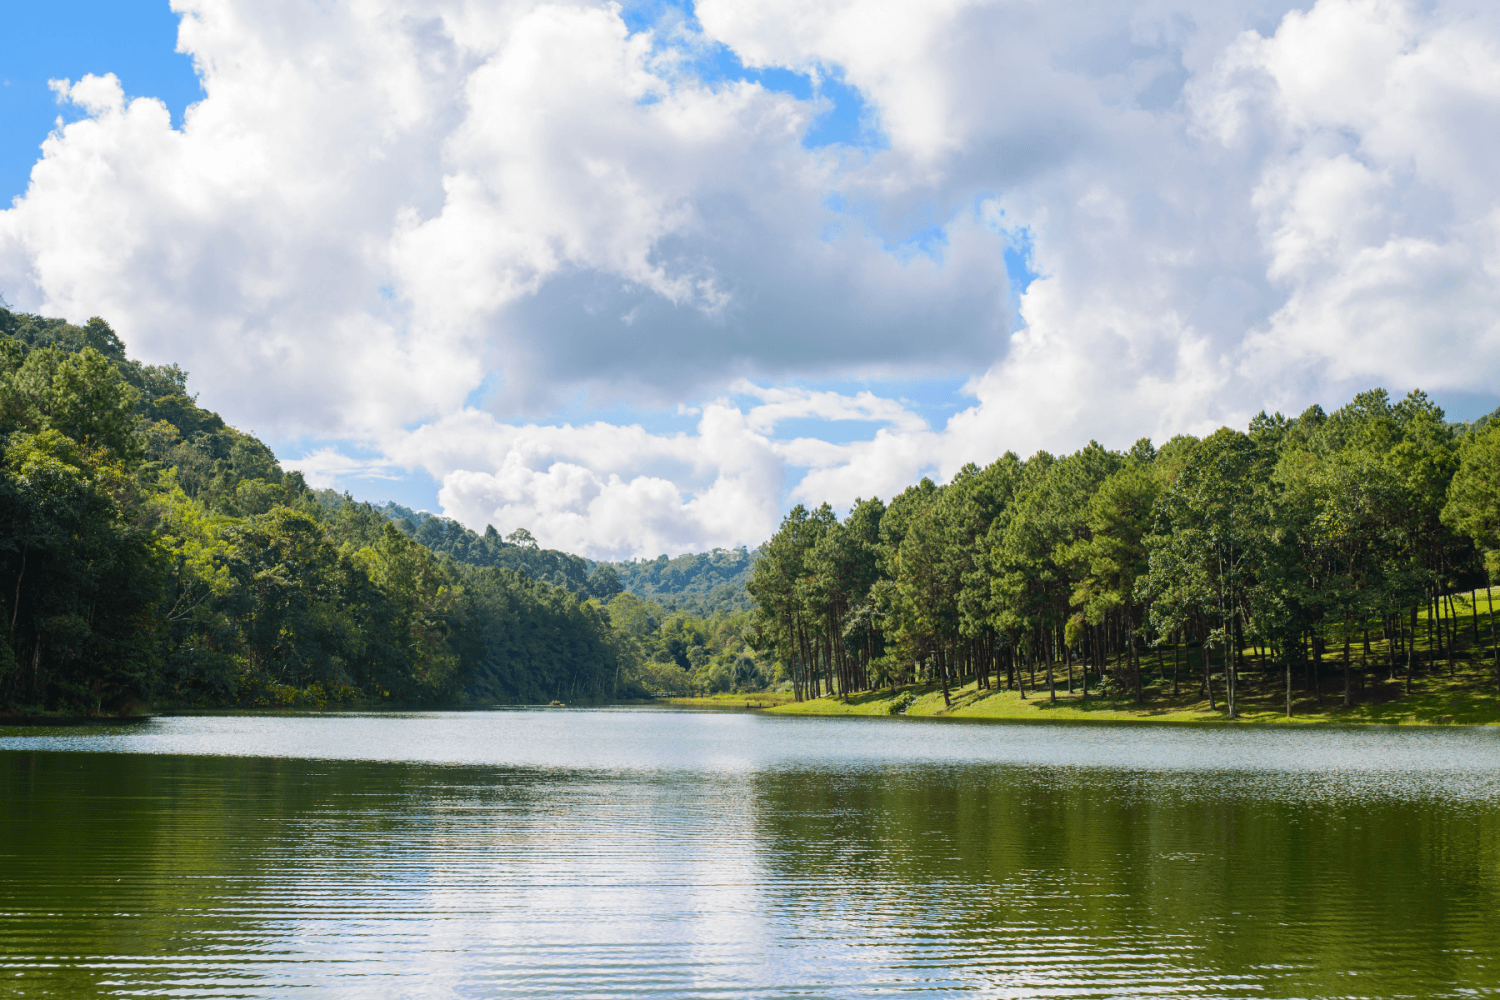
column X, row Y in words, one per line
column 1327, row 560
column 152, row 556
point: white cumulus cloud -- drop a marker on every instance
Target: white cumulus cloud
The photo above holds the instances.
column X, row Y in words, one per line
column 422, row 231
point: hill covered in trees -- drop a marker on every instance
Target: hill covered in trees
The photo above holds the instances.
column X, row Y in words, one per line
column 150, row 553
column 1324, row 550
column 679, row 625
column 703, row 583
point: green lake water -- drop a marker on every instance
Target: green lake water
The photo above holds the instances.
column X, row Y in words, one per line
column 624, row 853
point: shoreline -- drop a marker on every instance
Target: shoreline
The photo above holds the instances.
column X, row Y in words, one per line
column 1454, row 703
column 1436, row 701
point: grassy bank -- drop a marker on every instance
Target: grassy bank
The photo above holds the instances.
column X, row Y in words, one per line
column 1449, row 687
column 1434, row 701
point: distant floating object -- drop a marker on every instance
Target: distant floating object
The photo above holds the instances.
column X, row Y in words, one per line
column 556, row 704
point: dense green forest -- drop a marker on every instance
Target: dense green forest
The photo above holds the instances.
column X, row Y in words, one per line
column 1302, row 549
column 152, row 554
column 517, row 551
column 703, row 582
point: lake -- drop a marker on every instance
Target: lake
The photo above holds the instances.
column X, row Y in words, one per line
column 636, row 853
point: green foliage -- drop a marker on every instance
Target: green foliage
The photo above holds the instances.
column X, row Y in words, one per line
column 540, row 642
column 519, row 552
column 1473, row 500
column 703, row 582
column 667, row 653
column 83, row 577
column 150, row 552
column 1297, row 535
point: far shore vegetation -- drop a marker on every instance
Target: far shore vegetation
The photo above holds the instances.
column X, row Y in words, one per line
column 1331, row 565
column 154, row 558
column 1325, row 567
column 1451, row 691
column 1456, row 690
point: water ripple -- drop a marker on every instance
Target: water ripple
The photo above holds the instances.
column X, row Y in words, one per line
column 613, row 854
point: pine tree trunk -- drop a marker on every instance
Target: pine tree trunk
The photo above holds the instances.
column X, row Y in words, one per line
column 1390, row 647
column 1051, row 684
column 1412, row 656
column 1208, row 678
column 1307, row 663
column 943, row 668
column 1287, row 656
column 1317, row 670
column 1176, row 649
column 1135, row 665
column 1489, row 596
column 1452, row 634
column 1474, row 617
column 1409, row 650
column 1349, row 693
column 1087, row 649
column 1229, row 669
column 1068, row 654
column 1434, row 637
column 16, row 610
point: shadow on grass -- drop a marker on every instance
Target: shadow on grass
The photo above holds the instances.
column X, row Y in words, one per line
column 1437, row 699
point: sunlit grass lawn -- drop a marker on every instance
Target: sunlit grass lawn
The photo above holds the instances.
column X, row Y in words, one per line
column 1460, row 692
column 1434, row 701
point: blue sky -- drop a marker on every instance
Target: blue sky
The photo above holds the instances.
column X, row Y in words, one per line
column 64, row 39
column 635, row 308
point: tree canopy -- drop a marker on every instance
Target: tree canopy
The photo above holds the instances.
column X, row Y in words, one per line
column 1296, row 536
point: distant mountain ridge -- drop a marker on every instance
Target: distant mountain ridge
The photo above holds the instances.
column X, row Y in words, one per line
column 701, row 582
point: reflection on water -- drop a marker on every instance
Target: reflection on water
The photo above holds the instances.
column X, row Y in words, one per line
column 649, row 854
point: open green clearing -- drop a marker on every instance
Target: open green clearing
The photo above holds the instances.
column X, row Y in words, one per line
column 1462, row 700
column 1461, row 690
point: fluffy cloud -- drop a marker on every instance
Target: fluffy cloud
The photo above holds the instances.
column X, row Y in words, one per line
column 378, row 204
column 381, row 211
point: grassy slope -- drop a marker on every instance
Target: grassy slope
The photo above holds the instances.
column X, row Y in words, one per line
column 1468, row 697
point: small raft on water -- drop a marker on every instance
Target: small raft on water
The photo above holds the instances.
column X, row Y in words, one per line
column 556, row 704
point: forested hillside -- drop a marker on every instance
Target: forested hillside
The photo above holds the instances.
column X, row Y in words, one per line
column 704, row 583
column 152, row 554
column 517, row 551
column 676, row 626
column 1323, row 552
